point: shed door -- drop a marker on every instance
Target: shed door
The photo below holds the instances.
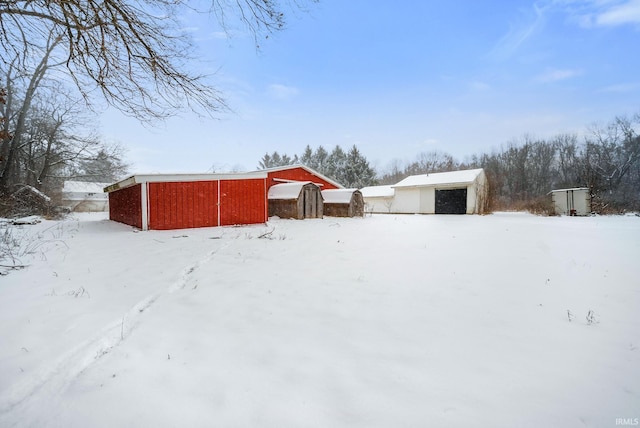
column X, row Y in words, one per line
column 356, row 206
column 452, row 201
column 310, row 203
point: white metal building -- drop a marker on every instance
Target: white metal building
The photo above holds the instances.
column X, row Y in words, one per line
column 455, row 192
column 575, row 201
column 82, row 196
column 378, row 199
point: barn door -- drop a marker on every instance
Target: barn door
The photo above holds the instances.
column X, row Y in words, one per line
column 453, row 201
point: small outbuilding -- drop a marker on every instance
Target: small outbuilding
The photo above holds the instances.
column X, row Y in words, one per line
column 343, row 203
column 180, row 201
column 82, row 196
column 455, row 192
column 572, row 202
column 378, row 199
column 298, row 200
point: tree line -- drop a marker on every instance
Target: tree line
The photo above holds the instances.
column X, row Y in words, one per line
column 350, row 168
column 522, row 172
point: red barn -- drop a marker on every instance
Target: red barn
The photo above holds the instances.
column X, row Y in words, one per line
column 180, row 201
column 290, row 173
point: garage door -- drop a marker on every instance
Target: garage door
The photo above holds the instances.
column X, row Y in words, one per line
column 452, row 201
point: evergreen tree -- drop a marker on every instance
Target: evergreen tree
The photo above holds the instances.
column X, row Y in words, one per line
column 336, row 164
column 265, row 162
column 307, row 158
column 275, row 159
column 320, row 160
column 105, row 167
column 358, row 173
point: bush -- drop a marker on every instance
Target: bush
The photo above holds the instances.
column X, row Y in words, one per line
column 541, row 205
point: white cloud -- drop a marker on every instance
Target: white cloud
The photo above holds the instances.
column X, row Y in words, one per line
column 282, row 92
column 519, row 33
column 602, row 13
column 557, row 75
column 620, row 14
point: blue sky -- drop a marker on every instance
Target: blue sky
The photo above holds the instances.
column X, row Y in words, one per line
column 400, row 78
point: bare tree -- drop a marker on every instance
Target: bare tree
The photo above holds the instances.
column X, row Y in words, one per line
column 541, row 168
column 569, row 168
column 47, row 134
column 134, row 52
column 612, row 158
column 395, row 172
column 22, row 81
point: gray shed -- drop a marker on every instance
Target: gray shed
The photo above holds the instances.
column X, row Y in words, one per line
column 572, row 202
column 299, row 200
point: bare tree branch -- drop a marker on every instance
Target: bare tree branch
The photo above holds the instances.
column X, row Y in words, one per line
column 133, row 52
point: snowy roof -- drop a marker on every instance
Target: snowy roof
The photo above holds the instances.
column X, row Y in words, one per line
column 34, row 191
column 454, row 177
column 159, row 178
column 338, row 196
column 306, row 168
column 566, row 190
column 377, row 192
column 286, row 190
column 83, row 187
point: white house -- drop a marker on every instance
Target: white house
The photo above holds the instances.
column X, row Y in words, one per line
column 81, row 196
column 455, row 192
column 378, row 199
column 576, row 201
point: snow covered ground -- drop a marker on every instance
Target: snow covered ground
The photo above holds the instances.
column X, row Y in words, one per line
column 387, row 321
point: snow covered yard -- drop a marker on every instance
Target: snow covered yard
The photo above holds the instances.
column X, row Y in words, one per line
column 386, row 321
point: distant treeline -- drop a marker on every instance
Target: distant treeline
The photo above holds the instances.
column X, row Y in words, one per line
column 520, row 174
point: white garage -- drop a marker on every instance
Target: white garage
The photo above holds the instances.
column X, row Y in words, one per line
column 455, row 192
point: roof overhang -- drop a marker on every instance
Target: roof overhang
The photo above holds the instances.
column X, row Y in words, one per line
column 162, row 178
column 440, row 185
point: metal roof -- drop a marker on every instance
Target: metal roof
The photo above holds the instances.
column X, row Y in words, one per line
column 160, row 178
column 439, row 178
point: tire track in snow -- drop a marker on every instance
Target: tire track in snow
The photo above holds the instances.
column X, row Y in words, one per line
column 56, row 377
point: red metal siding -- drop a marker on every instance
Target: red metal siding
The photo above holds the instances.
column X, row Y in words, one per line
column 243, row 201
column 181, row 205
column 125, row 205
column 298, row 174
